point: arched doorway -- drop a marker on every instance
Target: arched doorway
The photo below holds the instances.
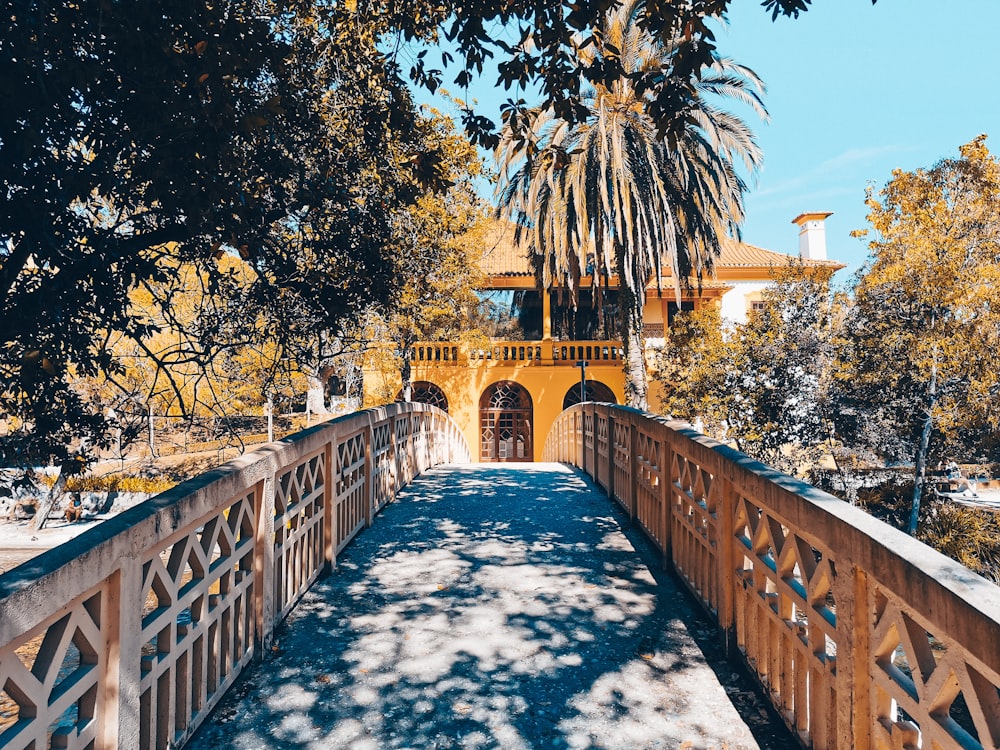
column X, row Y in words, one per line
column 422, row 392
column 596, row 391
column 505, row 417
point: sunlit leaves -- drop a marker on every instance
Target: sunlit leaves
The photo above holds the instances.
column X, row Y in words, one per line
column 927, row 313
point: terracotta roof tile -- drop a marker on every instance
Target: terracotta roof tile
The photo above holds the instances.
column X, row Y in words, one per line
column 502, row 257
column 743, row 255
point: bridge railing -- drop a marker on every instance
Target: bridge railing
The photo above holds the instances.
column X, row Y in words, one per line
column 128, row 635
column 861, row 636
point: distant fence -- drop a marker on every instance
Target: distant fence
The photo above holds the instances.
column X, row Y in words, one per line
column 862, row 636
column 128, row 635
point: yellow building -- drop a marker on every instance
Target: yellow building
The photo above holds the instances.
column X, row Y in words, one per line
column 506, row 394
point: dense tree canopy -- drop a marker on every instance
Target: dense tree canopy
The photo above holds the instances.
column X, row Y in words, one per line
column 763, row 383
column 141, row 137
column 559, row 47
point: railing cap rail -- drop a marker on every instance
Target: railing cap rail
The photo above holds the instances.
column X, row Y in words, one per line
column 905, row 565
column 29, row 591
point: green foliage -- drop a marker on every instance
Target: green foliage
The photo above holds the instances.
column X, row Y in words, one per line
column 118, row 483
column 436, row 255
column 141, row 141
column 688, row 369
column 561, row 49
column 968, row 535
column 761, row 384
column 140, row 138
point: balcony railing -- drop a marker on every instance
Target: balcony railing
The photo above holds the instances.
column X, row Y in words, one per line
column 864, row 638
column 541, row 353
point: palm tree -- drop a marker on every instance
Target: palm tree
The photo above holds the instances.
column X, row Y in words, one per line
column 607, row 196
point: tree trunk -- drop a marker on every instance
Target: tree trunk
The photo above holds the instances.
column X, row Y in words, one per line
column 636, row 388
column 920, row 463
column 48, row 503
column 405, row 369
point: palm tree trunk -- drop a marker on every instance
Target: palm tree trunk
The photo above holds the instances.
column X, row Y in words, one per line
column 636, row 387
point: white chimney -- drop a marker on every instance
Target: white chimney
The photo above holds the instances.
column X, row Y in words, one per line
column 812, row 234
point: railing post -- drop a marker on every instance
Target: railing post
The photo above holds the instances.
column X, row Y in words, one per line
column 855, row 706
column 331, row 473
column 369, row 470
column 121, row 686
column 726, row 581
column 595, row 450
column 611, row 459
column 263, row 563
column 666, row 495
column 633, row 491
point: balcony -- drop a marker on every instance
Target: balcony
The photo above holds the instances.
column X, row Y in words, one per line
column 523, row 353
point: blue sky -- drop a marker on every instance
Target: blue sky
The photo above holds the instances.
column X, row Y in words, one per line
column 854, row 91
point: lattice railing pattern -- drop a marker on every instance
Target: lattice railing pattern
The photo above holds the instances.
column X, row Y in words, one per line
column 786, row 618
column 198, row 625
column 383, row 463
column 651, row 482
column 299, row 510
column 56, row 672
column 403, row 453
column 352, row 481
column 863, row 637
column 602, row 450
column 128, row 635
column 927, row 687
column 589, row 441
column 694, row 525
column 621, row 464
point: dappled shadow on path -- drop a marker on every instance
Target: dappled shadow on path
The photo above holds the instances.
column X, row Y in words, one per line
column 488, row 607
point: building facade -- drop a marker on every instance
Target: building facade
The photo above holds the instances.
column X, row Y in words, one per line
column 505, row 394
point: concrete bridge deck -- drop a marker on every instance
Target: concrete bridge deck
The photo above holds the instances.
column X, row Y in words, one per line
column 495, row 606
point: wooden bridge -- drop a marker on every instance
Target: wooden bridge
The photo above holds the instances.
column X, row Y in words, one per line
column 130, row 635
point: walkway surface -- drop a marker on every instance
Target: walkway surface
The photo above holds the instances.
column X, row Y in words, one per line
column 494, row 607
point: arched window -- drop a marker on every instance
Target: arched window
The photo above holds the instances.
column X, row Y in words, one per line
column 505, row 415
column 422, row 392
column 596, row 391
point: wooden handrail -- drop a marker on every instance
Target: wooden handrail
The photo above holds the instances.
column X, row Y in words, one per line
column 129, row 634
column 862, row 636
